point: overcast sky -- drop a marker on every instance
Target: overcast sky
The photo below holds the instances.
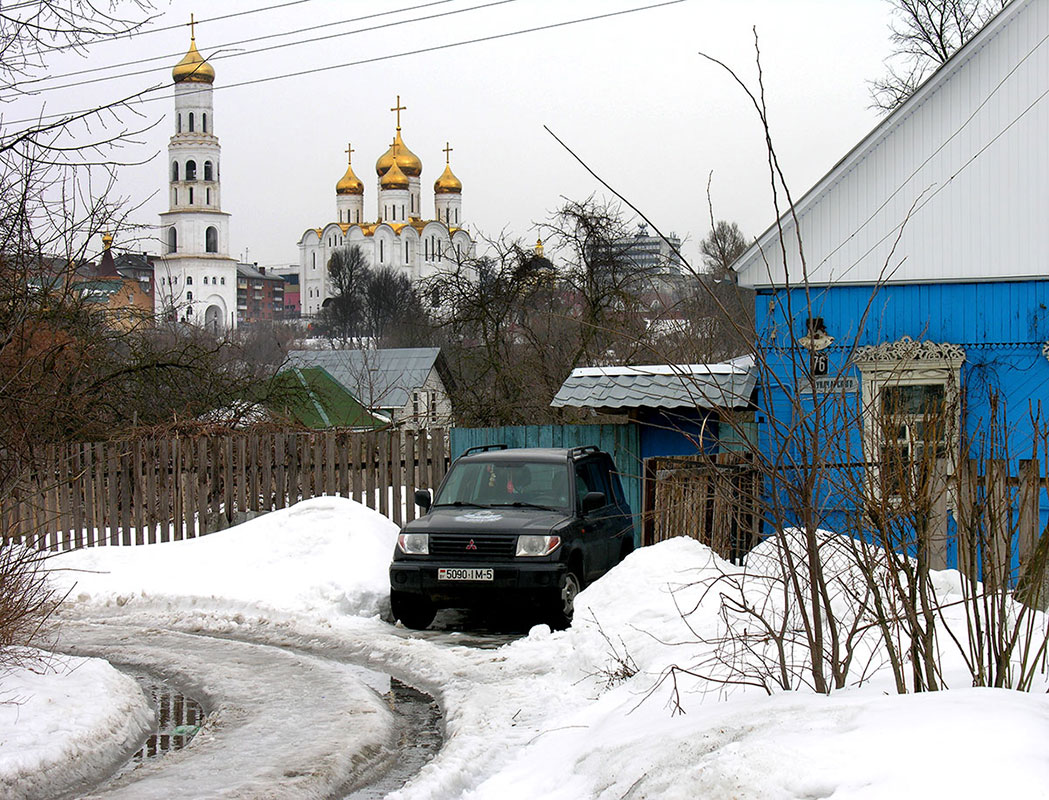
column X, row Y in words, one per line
column 629, row 94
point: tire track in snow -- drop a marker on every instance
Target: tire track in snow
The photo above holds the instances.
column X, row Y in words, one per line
column 281, row 723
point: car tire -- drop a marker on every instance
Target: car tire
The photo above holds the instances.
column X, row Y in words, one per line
column 413, row 611
column 563, row 603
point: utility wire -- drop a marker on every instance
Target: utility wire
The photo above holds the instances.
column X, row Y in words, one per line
column 219, row 48
column 376, row 59
column 180, row 53
column 149, row 31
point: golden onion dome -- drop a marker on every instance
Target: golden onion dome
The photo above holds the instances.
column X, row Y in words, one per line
column 193, row 68
column 447, row 183
column 394, row 178
column 349, row 183
column 399, row 153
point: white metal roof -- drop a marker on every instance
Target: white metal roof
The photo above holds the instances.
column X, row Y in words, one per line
column 725, row 385
column 952, row 186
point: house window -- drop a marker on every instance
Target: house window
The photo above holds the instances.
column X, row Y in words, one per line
column 205, row 280
column 223, row 281
column 189, row 280
column 415, row 405
column 911, row 410
column 433, row 406
column 189, row 295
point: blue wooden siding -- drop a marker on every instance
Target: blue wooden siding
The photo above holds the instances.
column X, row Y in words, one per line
column 1001, row 326
column 622, row 441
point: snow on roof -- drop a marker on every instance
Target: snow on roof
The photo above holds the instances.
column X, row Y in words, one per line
column 727, row 384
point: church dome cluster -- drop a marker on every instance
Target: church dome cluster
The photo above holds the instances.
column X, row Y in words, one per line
column 400, row 235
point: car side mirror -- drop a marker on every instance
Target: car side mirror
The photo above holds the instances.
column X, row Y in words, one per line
column 422, row 499
column 593, row 501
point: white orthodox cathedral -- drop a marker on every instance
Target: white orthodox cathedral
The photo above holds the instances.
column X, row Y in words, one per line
column 196, row 279
column 399, row 237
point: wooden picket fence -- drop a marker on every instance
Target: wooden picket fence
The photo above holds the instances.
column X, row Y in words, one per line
column 159, row 489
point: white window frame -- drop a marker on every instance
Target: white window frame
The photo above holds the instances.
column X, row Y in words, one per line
column 907, row 362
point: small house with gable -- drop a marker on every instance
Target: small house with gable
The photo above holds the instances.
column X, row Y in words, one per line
column 920, row 286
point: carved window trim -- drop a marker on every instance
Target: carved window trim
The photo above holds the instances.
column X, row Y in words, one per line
column 906, row 362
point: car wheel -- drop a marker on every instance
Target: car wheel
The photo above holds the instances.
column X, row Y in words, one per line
column 413, row 611
column 564, row 602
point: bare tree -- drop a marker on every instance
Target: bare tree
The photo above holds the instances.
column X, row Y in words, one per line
column 925, row 33
column 344, row 315
column 721, row 247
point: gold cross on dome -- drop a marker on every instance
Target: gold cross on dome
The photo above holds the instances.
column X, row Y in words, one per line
column 399, row 108
column 349, row 153
column 447, row 153
column 192, row 29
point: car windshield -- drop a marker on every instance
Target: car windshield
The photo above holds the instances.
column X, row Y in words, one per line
column 501, row 483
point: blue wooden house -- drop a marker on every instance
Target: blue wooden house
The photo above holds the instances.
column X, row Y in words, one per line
column 922, row 275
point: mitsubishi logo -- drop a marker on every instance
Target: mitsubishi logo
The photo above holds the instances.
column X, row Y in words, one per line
column 471, row 545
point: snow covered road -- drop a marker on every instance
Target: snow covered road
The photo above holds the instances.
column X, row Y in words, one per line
column 319, row 733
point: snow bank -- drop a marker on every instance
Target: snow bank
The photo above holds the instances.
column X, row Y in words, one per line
column 64, row 719
column 324, row 556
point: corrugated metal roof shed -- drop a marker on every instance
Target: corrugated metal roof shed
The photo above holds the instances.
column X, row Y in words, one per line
column 378, row 378
column 665, row 386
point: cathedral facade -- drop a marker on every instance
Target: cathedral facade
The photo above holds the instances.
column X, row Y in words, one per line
column 399, row 237
column 196, row 279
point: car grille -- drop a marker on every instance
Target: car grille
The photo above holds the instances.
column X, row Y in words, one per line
column 457, row 545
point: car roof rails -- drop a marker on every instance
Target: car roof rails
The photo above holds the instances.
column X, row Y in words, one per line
column 579, row 452
column 483, row 448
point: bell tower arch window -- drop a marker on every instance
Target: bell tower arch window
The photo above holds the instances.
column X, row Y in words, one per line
column 204, row 123
column 174, row 170
column 191, row 170
column 208, row 171
column 172, row 240
column 178, row 123
column 211, row 239
column 191, row 122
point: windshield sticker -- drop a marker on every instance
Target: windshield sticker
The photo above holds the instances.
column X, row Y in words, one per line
column 479, row 516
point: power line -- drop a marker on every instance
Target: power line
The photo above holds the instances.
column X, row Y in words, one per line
column 148, row 31
column 376, row 59
column 218, row 47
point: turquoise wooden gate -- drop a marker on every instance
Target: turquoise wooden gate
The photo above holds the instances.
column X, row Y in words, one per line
column 622, row 441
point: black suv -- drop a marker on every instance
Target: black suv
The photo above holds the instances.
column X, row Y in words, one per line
column 521, row 527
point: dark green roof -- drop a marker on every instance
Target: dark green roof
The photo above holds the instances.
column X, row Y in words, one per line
column 315, row 399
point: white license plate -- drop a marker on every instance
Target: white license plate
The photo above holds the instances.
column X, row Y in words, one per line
column 456, row 574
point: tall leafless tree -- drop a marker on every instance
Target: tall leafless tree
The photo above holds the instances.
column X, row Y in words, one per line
column 924, row 34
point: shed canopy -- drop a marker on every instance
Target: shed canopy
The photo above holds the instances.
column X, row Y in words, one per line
column 729, row 384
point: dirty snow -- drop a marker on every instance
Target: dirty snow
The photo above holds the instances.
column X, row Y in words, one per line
column 583, row 713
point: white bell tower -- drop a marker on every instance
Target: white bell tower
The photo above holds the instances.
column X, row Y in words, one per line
column 196, row 278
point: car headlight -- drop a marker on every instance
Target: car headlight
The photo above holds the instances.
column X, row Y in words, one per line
column 414, row 544
column 537, row 545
